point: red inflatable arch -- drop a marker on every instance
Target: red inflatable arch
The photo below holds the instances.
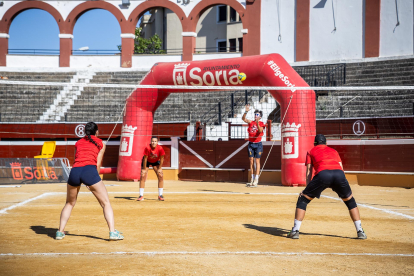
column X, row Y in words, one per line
column 298, row 128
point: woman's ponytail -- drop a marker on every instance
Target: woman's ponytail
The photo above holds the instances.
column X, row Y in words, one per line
column 90, row 129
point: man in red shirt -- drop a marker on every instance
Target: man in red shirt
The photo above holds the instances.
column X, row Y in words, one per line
column 255, row 147
column 328, row 174
column 153, row 156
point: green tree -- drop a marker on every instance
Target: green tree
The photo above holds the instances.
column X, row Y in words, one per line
column 152, row 45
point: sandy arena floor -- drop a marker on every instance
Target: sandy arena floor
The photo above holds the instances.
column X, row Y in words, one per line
column 205, row 229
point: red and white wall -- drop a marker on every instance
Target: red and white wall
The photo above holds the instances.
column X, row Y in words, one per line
column 364, row 29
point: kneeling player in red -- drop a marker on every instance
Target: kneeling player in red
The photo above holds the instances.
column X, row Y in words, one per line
column 328, row 174
column 153, row 156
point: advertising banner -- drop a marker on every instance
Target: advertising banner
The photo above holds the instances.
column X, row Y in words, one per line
column 33, row 170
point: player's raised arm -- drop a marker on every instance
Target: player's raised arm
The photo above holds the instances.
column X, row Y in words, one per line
column 245, row 114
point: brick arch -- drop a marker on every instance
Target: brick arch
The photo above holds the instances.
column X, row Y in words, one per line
column 202, row 6
column 91, row 5
column 147, row 5
column 15, row 10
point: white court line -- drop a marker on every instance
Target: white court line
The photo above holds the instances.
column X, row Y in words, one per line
column 388, row 211
column 150, row 253
column 225, row 193
column 4, row 211
column 10, row 186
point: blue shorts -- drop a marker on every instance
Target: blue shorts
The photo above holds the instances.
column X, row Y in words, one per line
column 87, row 175
column 255, row 149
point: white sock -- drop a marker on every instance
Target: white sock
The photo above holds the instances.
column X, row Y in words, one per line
column 257, row 177
column 296, row 226
column 141, row 191
column 160, row 191
column 253, row 176
column 358, row 225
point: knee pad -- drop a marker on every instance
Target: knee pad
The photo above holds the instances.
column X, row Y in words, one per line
column 302, row 202
column 351, row 204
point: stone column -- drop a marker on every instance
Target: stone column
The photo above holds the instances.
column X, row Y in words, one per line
column 65, row 49
column 4, row 47
column 128, row 41
column 302, row 30
column 372, row 28
column 189, row 43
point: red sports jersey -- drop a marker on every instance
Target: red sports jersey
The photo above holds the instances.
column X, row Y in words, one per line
column 87, row 152
column 254, row 135
column 322, row 158
column 154, row 154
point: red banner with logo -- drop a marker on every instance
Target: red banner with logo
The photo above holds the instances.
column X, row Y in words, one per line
column 32, row 170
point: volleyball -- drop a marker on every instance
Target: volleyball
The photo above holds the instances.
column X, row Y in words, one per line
column 242, row 76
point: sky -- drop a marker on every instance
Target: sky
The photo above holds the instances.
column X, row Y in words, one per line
column 37, row 29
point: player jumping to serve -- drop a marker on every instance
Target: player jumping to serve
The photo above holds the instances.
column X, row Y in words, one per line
column 328, row 174
column 255, row 147
column 153, row 156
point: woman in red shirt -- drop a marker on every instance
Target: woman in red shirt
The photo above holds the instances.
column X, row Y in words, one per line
column 88, row 159
column 153, row 156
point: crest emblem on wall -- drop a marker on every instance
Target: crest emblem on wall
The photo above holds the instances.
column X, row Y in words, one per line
column 179, row 73
column 127, row 140
column 290, row 140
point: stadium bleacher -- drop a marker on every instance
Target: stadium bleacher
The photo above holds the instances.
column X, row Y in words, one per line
column 371, row 103
column 27, row 103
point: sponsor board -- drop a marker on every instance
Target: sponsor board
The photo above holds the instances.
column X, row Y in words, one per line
column 210, row 76
column 32, row 170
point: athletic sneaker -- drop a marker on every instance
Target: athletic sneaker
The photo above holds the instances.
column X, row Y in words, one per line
column 161, row 198
column 361, row 235
column 251, row 183
column 116, row 235
column 254, row 183
column 140, row 198
column 293, row 234
column 60, row 235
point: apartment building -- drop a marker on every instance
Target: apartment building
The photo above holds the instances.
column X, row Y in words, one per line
column 218, row 30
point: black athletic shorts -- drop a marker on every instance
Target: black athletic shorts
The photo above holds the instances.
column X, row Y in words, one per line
column 153, row 164
column 87, row 175
column 255, row 150
column 334, row 179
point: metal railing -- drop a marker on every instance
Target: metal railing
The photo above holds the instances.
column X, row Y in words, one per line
column 226, row 107
column 218, row 50
column 95, row 52
column 90, row 52
column 323, row 75
column 177, row 51
column 33, row 52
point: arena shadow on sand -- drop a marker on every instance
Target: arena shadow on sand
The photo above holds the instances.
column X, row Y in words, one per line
column 51, row 232
column 280, row 232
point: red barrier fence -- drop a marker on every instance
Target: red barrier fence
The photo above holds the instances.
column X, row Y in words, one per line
column 64, row 131
column 367, row 127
